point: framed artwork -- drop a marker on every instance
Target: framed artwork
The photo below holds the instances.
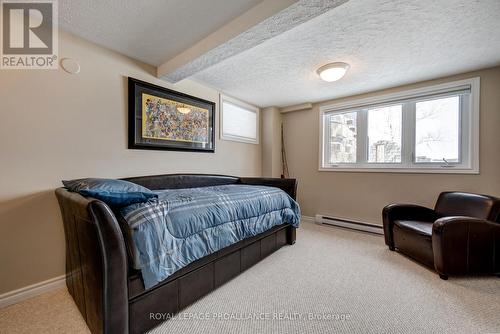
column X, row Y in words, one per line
column 163, row 119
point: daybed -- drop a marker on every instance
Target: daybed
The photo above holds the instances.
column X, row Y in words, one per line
column 110, row 293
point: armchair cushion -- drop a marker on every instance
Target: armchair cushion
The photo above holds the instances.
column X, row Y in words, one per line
column 416, row 226
column 414, row 240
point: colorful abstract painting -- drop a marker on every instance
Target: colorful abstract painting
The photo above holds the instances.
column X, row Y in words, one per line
column 165, row 119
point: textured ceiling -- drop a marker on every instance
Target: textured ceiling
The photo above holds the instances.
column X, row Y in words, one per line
column 294, row 15
column 386, row 42
column 149, row 30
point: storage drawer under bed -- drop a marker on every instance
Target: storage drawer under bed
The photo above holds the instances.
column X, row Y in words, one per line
column 149, row 308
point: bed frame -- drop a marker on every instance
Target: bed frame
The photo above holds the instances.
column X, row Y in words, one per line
column 110, row 294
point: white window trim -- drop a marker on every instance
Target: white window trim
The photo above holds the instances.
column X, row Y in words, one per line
column 472, row 128
column 225, row 98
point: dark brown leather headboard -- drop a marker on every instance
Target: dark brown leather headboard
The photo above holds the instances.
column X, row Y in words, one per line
column 176, row 181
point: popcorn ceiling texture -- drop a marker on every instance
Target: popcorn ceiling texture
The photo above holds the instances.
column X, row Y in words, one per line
column 151, row 31
column 288, row 18
column 388, row 43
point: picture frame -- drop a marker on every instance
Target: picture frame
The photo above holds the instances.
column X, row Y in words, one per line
column 164, row 119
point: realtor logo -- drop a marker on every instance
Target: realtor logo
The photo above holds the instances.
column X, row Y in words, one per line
column 29, row 34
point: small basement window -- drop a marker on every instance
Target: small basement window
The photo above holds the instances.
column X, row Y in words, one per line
column 239, row 121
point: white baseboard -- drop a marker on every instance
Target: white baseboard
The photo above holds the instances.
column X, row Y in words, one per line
column 307, row 219
column 16, row 296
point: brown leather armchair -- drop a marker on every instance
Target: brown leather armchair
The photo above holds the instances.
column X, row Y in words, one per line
column 460, row 236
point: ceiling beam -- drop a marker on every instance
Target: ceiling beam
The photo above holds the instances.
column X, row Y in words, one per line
column 260, row 23
column 297, row 107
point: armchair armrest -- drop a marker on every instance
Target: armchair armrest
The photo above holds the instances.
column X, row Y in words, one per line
column 393, row 212
column 466, row 245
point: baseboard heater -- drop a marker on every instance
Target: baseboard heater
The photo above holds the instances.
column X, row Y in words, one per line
column 349, row 224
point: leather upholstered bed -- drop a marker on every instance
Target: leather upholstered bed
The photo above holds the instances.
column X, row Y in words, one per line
column 110, row 293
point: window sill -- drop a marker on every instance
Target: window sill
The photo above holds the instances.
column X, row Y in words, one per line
column 400, row 170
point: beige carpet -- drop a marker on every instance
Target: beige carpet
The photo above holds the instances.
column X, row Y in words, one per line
column 53, row 312
column 349, row 278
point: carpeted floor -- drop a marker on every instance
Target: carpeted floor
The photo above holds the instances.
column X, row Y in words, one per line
column 348, row 279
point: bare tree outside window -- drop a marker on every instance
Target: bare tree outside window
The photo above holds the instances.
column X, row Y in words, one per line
column 384, row 134
column 437, row 130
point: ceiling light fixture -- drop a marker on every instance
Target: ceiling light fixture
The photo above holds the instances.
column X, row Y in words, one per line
column 333, row 71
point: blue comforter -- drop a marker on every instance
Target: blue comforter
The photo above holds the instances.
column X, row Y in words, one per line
column 184, row 225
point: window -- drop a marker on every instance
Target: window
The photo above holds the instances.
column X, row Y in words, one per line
column 437, row 130
column 384, row 134
column 342, row 138
column 239, row 121
column 433, row 129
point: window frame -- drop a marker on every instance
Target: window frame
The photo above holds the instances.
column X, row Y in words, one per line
column 243, row 105
column 469, row 130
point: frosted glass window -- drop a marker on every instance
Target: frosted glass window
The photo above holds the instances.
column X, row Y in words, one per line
column 239, row 122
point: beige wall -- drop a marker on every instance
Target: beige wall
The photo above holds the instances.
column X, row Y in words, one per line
column 363, row 195
column 58, row 126
column 271, row 142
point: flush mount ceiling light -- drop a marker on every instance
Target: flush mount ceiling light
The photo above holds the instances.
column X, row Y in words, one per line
column 333, row 71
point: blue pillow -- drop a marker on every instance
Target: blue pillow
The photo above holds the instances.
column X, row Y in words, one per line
column 111, row 191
